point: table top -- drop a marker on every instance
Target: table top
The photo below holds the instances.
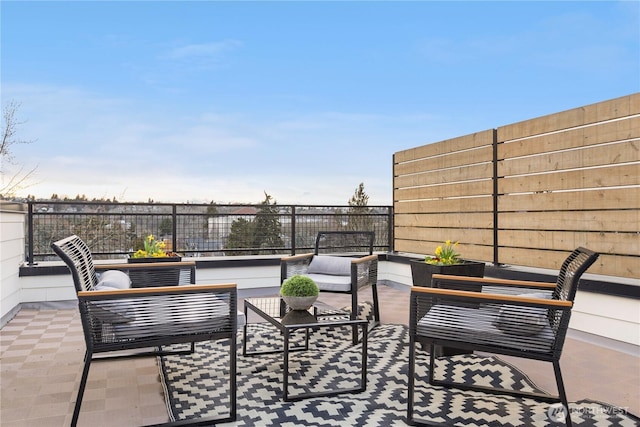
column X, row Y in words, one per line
column 276, row 311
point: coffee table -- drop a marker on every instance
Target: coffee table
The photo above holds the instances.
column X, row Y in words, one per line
column 275, row 311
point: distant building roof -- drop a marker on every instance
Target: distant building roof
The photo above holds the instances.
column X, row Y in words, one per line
column 246, row 210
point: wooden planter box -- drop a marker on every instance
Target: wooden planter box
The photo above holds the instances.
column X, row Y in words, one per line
column 421, row 273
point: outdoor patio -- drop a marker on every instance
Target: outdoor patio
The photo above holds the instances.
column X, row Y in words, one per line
column 42, row 353
column 520, row 217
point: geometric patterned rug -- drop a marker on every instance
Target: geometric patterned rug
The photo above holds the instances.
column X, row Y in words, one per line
column 194, row 386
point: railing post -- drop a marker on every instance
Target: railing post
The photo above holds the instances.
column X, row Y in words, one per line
column 293, row 230
column 174, row 231
column 30, row 233
column 390, row 231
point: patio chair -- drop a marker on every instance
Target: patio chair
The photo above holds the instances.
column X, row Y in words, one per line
column 343, row 262
column 532, row 324
column 117, row 317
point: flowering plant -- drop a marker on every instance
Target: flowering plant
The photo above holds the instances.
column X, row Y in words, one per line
column 152, row 249
column 445, row 255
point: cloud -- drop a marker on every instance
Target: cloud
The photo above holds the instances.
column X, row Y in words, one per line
column 103, row 146
column 211, row 50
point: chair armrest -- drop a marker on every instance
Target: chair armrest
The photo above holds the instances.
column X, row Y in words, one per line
column 368, row 258
column 364, row 271
column 292, row 265
column 296, row 258
column 451, row 294
column 157, row 291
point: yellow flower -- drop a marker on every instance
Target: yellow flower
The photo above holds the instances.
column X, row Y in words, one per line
column 152, row 249
column 445, row 255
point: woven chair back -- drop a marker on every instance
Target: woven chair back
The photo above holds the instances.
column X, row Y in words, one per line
column 572, row 269
column 76, row 254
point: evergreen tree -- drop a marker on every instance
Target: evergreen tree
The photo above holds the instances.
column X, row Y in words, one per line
column 166, row 227
column 267, row 227
column 240, row 237
column 358, row 214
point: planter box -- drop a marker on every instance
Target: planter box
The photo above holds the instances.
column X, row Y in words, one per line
column 156, row 275
column 421, row 273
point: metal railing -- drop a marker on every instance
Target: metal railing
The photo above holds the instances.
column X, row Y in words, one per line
column 115, row 230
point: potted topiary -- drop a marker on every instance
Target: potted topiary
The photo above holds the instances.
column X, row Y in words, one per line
column 299, row 292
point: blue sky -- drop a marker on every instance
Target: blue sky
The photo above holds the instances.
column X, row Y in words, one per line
column 207, row 100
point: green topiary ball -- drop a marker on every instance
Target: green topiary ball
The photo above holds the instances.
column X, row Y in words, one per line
column 299, row 286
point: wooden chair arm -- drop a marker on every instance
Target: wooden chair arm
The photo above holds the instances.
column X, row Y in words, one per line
column 159, row 290
column 484, row 297
column 296, row 257
column 367, row 258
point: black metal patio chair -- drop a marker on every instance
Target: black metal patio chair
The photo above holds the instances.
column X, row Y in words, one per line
column 530, row 325
column 343, row 262
column 117, row 317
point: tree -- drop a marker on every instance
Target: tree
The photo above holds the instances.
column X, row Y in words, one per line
column 358, row 216
column 262, row 234
column 19, row 180
column 267, row 229
column 211, row 225
column 166, row 227
column 212, row 209
column 240, row 236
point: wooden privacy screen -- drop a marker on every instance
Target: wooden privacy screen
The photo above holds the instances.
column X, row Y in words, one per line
column 530, row 192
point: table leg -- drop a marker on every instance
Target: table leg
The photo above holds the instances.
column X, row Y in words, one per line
column 363, row 378
column 285, row 370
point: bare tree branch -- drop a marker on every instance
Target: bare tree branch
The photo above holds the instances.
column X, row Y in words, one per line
column 10, row 126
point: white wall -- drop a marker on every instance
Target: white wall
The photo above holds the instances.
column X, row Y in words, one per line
column 607, row 316
column 47, row 289
column 245, row 277
column 12, row 220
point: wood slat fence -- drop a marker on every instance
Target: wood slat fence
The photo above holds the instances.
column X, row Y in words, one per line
column 528, row 193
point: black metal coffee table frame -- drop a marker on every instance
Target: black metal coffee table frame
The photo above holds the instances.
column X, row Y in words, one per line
column 275, row 311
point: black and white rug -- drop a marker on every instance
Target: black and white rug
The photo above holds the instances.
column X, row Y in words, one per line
column 196, row 386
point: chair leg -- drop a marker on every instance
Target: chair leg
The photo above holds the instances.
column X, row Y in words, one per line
column 354, row 316
column 411, row 381
column 561, row 392
column 233, row 413
column 376, row 305
column 432, row 362
column 83, row 384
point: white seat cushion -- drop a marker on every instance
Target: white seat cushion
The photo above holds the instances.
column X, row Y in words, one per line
column 328, row 282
